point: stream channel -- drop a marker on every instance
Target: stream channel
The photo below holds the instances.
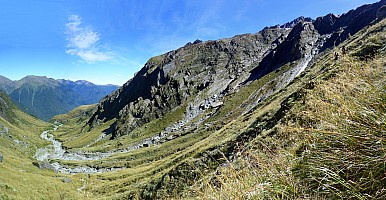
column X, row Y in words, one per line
column 51, row 154
column 54, row 152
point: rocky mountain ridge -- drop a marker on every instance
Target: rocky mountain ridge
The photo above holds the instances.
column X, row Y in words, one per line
column 167, row 81
column 194, row 74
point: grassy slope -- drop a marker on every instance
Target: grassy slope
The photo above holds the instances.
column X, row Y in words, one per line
column 73, row 123
column 19, row 178
column 329, row 144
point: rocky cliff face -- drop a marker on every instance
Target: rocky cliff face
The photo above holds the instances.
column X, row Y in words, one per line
column 198, row 76
column 186, row 77
column 301, row 44
column 339, row 28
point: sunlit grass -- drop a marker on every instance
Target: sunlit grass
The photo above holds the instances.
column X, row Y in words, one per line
column 19, row 178
column 329, row 145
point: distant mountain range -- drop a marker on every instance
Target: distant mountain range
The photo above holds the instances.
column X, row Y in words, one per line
column 46, row 97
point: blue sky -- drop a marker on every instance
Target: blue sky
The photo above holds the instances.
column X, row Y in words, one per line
column 107, row 41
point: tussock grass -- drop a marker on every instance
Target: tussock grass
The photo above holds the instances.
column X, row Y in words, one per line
column 330, row 144
column 261, row 175
column 346, row 121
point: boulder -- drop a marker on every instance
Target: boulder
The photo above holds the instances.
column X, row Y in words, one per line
column 43, row 165
column 1, row 157
column 217, row 104
column 67, row 180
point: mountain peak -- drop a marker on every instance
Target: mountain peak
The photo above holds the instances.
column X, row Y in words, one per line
column 84, row 82
column 292, row 23
column 37, row 81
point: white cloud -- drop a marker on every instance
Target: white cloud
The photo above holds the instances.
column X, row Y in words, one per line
column 84, row 41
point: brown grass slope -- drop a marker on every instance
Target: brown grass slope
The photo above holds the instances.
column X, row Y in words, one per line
column 329, row 143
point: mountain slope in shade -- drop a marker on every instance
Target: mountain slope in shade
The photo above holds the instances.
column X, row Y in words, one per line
column 6, row 85
column 46, row 97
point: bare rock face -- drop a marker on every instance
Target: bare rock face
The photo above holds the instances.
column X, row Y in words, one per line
column 326, row 24
column 293, row 23
column 299, row 43
column 381, row 12
column 170, row 80
column 339, row 28
column 43, row 165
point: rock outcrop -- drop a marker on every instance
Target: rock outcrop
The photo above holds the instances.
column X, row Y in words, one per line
column 293, row 22
column 381, row 12
column 339, row 28
column 302, row 42
column 43, row 165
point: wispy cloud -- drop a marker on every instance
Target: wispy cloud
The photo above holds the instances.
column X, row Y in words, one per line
column 84, row 41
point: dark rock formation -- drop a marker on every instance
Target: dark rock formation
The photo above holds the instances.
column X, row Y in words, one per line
column 381, row 12
column 43, row 165
column 293, row 23
column 197, row 41
column 298, row 44
column 341, row 27
column 309, row 37
column 325, row 24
